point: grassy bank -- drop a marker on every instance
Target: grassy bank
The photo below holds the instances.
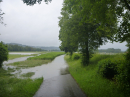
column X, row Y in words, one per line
column 90, row 81
column 47, row 56
column 14, row 87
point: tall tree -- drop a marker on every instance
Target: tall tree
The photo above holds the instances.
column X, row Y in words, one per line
column 76, row 22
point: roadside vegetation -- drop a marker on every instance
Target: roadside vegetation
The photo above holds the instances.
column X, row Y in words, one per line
column 11, row 86
column 105, row 76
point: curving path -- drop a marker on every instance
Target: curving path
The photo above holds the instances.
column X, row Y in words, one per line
column 60, row 85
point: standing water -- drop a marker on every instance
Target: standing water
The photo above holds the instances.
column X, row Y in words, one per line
column 48, row 70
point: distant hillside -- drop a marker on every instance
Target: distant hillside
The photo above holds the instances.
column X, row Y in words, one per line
column 51, row 48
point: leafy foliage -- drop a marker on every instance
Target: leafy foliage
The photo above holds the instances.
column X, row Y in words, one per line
column 78, row 30
column 107, row 68
column 3, row 53
column 76, row 56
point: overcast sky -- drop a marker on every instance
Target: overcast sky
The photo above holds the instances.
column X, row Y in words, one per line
column 35, row 25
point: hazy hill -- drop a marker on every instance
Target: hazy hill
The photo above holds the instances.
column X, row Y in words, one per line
column 52, row 48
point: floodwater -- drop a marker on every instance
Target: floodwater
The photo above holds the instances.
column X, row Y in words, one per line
column 21, row 53
column 14, row 60
column 48, row 70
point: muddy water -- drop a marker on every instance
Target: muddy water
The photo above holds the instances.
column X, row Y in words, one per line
column 14, row 60
column 48, row 70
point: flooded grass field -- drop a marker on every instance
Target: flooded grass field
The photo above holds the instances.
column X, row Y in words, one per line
column 13, row 76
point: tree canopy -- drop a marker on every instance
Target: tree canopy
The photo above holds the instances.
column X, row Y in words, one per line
column 81, row 29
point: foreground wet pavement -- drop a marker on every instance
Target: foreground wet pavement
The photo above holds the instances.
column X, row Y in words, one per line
column 60, row 86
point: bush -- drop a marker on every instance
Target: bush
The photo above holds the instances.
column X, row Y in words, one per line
column 107, row 68
column 3, row 53
column 123, row 78
column 75, row 56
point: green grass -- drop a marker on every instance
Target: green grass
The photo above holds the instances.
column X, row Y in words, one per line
column 29, row 74
column 90, row 81
column 47, row 56
column 14, row 87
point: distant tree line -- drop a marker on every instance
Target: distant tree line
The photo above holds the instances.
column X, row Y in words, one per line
column 109, row 50
column 20, row 48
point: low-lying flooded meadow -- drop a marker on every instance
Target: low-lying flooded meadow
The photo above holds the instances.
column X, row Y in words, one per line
column 13, row 83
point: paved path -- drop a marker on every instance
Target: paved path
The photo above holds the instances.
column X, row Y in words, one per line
column 60, row 86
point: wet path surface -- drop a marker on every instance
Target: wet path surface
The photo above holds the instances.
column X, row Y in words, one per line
column 57, row 83
column 60, row 86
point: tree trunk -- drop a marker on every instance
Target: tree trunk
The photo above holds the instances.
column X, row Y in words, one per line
column 87, row 53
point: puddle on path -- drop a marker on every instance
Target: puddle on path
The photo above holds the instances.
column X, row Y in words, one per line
column 48, row 70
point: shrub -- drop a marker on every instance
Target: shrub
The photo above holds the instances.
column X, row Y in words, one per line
column 3, row 53
column 107, row 68
column 75, row 56
column 123, row 78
